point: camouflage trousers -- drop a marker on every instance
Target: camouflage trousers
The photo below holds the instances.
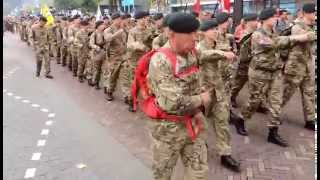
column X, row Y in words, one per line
column 69, row 57
column 63, row 54
column 42, row 57
column 239, row 80
column 74, row 59
column 53, row 49
column 96, row 71
column 169, row 141
column 57, row 55
column 218, row 116
column 126, row 78
column 306, row 84
column 82, row 59
column 111, row 75
column 260, row 88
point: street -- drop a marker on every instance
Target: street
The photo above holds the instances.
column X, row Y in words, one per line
column 65, row 130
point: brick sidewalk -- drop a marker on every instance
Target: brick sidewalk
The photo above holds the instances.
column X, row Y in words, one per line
column 259, row 160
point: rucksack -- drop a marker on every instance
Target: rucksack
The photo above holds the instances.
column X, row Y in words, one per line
column 148, row 103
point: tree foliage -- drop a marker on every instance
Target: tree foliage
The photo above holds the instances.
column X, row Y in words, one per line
column 86, row 5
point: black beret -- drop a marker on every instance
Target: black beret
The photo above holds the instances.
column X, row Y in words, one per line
column 165, row 20
column 98, row 23
column 141, row 14
column 64, row 18
column 250, row 17
column 309, row 8
column 183, row 23
column 222, row 17
column 208, row 24
column 125, row 16
column 267, row 13
column 42, row 18
column 157, row 16
column 115, row 16
column 105, row 17
column 84, row 22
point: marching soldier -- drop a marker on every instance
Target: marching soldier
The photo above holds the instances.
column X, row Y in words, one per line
column 74, row 53
column 245, row 56
column 82, row 46
column 178, row 95
column 298, row 69
column 265, row 71
column 41, row 43
column 162, row 38
column 97, row 45
column 211, row 79
column 115, row 38
column 139, row 42
column 64, row 41
column 59, row 39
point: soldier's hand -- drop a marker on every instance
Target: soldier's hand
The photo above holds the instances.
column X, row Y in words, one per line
column 206, row 98
column 230, row 56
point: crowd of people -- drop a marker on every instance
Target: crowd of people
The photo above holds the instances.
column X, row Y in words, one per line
column 186, row 71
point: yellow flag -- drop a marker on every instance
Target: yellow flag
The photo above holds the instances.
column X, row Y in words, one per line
column 44, row 11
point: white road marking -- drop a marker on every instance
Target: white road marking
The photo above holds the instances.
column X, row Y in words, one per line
column 35, row 105
column 41, row 142
column 44, row 110
column 48, row 123
column 81, row 166
column 26, row 101
column 17, row 97
column 9, row 94
column 5, row 77
column 36, row 156
column 30, row 172
column 4, row 90
column 44, row 131
column 51, row 115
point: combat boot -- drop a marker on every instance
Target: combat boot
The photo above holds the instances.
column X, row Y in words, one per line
column 49, row 76
column 240, row 126
column 81, row 79
column 230, row 163
column 234, row 102
column 275, row 138
column 130, row 103
column 310, row 125
column 90, row 83
column 109, row 95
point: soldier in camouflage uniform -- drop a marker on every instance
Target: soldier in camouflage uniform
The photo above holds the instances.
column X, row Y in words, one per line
column 23, row 29
column 82, row 46
column 41, row 43
column 69, row 33
column 59, row 40
column 115, row 38
column 64, row 41
column 210, row 79
column 162, row 38
column 97, row 45
column 74, row 53
column 139, row 42
column 265, row 71
column 52, row 41
column 178, row 96
column 298, row 71
column 245, row 56
column 88, row 67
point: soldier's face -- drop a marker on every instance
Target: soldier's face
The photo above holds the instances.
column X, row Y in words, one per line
column 183, row 43
column 252, row 24
column 211, row 33
column 159, row 23
column 310, row 16
column 42, row 23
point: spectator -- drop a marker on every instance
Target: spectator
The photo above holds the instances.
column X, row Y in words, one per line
column 282, row 22
column 239, row 30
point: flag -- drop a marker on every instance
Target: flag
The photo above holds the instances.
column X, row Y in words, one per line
column 44, row 11
column 225, row 5
column 196, row 7
column 98, row 15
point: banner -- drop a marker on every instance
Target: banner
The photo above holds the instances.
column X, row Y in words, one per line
column 44, row 11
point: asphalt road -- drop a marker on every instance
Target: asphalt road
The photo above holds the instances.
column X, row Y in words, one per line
column 81, row 136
